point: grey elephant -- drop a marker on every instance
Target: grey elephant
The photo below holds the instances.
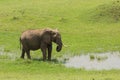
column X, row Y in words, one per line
column 40, row 39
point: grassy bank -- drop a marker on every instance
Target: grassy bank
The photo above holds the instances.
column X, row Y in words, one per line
column 85, row 26
column 74, row 19
column 38, row 70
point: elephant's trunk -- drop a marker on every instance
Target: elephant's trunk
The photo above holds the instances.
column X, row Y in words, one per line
column 59, row 47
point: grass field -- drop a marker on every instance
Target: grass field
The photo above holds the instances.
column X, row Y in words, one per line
column 86, row 27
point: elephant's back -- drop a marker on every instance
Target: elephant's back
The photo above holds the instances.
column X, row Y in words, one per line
column 31, row 39
column 29, row 33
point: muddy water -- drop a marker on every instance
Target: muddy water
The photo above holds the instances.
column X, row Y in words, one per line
column 7, row 55
column 103, row 61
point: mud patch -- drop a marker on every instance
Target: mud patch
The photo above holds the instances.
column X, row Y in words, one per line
column 97, row 61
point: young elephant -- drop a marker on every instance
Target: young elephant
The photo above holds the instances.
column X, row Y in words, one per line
column 40, row 39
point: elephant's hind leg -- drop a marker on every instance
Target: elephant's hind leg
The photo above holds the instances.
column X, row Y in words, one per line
column 28, row 54
column 23, row 53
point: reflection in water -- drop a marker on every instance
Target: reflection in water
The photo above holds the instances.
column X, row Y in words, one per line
column 103, row 61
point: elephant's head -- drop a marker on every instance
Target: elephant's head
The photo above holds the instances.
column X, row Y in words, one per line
column 56, row 37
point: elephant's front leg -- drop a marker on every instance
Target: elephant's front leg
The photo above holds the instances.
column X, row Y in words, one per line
column 49, row 52
column 43, row 49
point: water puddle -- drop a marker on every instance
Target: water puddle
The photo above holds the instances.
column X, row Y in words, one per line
column 7, row 55
column 97, row 61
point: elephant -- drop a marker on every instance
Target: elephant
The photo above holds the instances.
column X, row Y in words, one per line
column 40, row 39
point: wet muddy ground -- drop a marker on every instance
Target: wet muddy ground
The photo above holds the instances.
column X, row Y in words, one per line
column 96, row 61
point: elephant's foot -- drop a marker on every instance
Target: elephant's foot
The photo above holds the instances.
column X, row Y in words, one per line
column 22, row 57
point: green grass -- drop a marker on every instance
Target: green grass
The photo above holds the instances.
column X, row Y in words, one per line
column 82, row 28
column 38, row 70
column 72, row 19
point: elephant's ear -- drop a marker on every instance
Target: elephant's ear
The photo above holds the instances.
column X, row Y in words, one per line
column 54, row 33
column 53, row 36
